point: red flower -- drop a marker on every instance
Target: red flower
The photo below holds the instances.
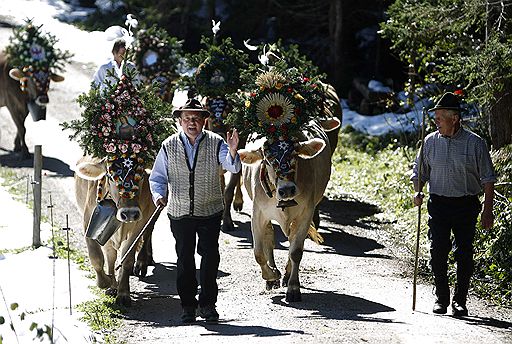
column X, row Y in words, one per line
column 271, row 129
column 458, row 92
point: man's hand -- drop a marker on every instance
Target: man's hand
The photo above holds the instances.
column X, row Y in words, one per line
column 162, row 201
column 487, row 218
column 418, row 199
column 232, row 140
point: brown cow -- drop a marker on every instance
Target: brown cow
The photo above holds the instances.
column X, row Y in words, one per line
column 132, row 212
column 287, row 190
column 33, row 98
column 218, row 108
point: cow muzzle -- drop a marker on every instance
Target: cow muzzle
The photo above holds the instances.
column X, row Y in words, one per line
column 286, row 191
column 129, row 214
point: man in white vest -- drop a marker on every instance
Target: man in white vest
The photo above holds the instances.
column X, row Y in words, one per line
column 186, row 173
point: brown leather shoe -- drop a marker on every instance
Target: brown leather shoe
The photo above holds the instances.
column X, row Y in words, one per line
column 440, row 308
column 459, row 310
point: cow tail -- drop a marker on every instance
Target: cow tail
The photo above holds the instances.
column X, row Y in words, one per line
column 314, row 235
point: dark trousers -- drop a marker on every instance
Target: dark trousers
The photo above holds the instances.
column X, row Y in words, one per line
column 457, row 215
column 185, row 232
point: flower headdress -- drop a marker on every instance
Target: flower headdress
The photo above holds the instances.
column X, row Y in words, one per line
column 157, row 56
column 121, row 121
column 278, row 107
column 217, row 67
column 31, row 49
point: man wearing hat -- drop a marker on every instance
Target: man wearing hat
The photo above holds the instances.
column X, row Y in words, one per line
column 457, row 166
column 187, row 173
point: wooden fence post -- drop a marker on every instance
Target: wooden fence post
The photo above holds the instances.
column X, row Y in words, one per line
column 38, row 166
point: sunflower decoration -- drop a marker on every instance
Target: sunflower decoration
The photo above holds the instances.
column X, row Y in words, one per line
column 278, row 107
column 157, row 57
column 121, row 121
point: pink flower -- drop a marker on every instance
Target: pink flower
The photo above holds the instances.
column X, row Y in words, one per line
column 136, row 147
column 111, row 148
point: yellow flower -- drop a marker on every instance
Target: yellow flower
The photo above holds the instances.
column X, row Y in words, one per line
column 293, row 119
column 247, row 103
column 274, row 108
column 298, row 96
column 279, row 85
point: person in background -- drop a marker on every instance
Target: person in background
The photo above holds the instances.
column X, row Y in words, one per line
column 116, row 64
column 457, row 165
column 186, row 177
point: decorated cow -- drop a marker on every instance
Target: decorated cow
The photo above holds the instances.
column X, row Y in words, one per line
column 28, row 65
column 286, row 169
column 119, row 131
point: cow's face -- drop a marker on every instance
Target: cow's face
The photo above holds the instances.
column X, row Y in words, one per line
column 35, row 84
column 281, row 158
column 122, row 183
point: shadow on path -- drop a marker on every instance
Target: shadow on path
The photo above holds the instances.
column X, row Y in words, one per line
column 56, row 166
column 331, row 305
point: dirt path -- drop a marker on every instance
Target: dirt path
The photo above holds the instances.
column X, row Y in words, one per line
column 354, row 291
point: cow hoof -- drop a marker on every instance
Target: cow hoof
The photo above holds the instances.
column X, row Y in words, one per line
column 140, row 270
column 111, row 292
column 293, row 296
column 285, row 281
column 272, row 285
column 123, row 300
column 238, row 206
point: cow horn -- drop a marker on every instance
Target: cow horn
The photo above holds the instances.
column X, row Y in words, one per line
column 16, row 74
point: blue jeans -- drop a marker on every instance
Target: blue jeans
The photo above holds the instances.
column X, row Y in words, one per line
column 207, row 231
column 447, row 215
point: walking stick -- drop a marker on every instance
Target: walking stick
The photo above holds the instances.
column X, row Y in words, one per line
column 151, row 222
column 420, row 165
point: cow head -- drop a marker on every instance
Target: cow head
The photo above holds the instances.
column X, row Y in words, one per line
column 35, row 84
column 120, row 178
column 281, row 158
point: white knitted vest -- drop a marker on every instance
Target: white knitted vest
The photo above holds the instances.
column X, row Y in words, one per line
column 194, row 191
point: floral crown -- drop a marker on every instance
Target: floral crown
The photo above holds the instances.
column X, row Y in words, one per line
column 157, row 56
column 121, row 121
column 279, row 107
column 31, row 49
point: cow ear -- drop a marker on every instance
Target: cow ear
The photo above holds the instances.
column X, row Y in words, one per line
column 330, row 124
column 56, row 77
column 16, row 74
column 90, row 168
column 310, row 149
column 250, row 156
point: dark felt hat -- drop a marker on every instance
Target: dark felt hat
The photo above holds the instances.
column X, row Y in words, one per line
column 191, row 105
column 449, row 101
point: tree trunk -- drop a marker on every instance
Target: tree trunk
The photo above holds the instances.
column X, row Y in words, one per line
column 500, row 118
column 335, row 33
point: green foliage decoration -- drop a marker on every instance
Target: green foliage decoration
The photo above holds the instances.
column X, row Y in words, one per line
column 98, row 130
column 217, row 68
column 30, row 48
column 157, row 57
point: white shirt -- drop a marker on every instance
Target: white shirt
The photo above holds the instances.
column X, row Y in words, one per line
column 101, row 77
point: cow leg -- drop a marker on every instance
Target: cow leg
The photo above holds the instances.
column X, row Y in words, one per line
column 145, row 255
column 296, row 250
column 238, row 202
column 123, row 289
column 20, row 147
column 263, row 237
column 229, row 191
column 97, row 259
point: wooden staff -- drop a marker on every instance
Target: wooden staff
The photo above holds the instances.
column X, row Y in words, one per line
column 420, row 165
column 151, row 222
